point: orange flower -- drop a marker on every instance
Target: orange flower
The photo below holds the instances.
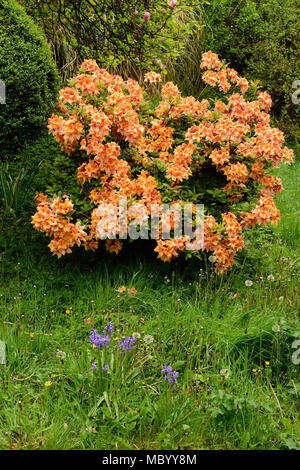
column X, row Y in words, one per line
column 237, row 172
column 152, row 77
column 114, row 246
column 132, row 291
column 121, row 289
column 147, row 155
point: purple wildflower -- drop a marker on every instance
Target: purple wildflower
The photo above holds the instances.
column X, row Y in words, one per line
column 146, row 16
column 171, row 375
column 102, row 340
column 93, row 366
column 135, row 12
column 109, row 328
column 167, row 369
column 99, row 340
column 105, row 367
column 127, row 344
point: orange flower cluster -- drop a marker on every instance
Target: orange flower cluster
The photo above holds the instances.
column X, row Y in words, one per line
column 264, row 212
column 216, row 74
column 53, row 218
column 173, row 153
column 178, row 168
column 152, row 77
column 169, row 249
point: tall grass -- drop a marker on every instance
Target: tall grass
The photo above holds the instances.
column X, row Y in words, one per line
column 231, row 344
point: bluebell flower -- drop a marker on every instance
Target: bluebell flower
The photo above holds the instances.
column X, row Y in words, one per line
column 127, row 344
column 102, row 340
column 109, row 328
column 171, row 375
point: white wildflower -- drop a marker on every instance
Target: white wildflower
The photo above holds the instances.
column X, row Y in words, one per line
column 148, row 339
column 276, row 328
column 60, row 354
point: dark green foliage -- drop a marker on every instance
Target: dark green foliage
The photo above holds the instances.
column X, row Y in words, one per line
column 114, row 32
column 29, row 74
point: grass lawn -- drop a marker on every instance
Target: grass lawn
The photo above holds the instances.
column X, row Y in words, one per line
column 237, row 387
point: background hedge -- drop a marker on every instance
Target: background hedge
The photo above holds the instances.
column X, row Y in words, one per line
column 29, row 74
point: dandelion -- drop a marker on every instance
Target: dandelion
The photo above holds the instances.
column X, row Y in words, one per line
column 60, row 354
column 68, row 312
column 52, row 376
column 254, row 370
column 136, row 335
column 170, row 374
column 146, row 16
column 248, row 283
column 276, row 328
column 267, row 363
column 127, row 344
column 48, row 383
column 31, row 335
column 271, row 278
column 148, row 339
column 90, row 429
column 225, row 373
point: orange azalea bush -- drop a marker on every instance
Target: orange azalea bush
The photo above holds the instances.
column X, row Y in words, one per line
column 218, row 152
